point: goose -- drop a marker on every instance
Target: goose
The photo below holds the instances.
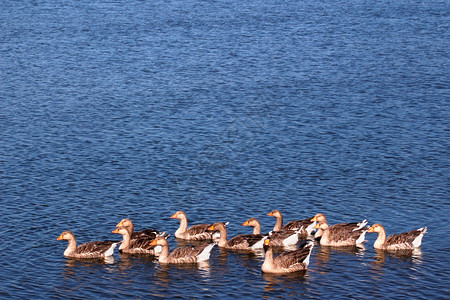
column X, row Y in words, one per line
column 97, row 249
column 344, row 226
column 305, row 226
column 146, row 233
column 240, row 242
column 402, row 241
column 277, row 238
column 341, row 236
column 182, row 255
column 193, row 233
column 136, row 245
column 287, row 261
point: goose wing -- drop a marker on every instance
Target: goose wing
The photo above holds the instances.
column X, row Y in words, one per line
column 294, row 259
column 344, row 233
column 199, row 232
column 94, row 249
column 405, row 239
column 245, row 241
column 189, row 254
column 297, row 224
column 146, row 233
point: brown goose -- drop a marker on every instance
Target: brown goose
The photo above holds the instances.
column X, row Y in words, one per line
column 287, row 261
column 240, row 242
column 341, row 236
column 193, row 233
column 305, row 226
column 182, row 255
column 277, row 238
column 98, row 249
column 343, row 226
column 146, row 233
column 136, row 245
column 402, row 241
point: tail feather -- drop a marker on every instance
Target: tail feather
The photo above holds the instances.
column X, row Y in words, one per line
column 418, row 240
column 204, row 255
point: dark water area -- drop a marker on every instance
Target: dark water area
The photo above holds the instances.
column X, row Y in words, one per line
column 226, row 110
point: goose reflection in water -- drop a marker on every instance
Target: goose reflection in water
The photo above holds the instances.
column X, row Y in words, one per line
column 283, row 282
column 324, row 252
column 403, row 255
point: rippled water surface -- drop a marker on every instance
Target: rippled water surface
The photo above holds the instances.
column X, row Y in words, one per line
column 226, row 110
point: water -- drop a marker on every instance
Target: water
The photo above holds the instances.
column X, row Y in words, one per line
column 225, row 110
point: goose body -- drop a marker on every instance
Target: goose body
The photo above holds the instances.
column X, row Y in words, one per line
column 182, row 255
column 194, row 233
column 97, row 249
column 341, row 227
column 277, row 238
column 136, row 245
column 305, row 227
column 287, row 261
column 342, row 236
column 403, row 241
column 240, row 242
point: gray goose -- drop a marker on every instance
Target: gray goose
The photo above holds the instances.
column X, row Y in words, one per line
column 194, row 233
column 97, row 249
column 182, row 255
column 241, row 242
column 287, row 261
column 338, row 227
column 341, row 236
column 305, row 226
column 146, row 233
column 402, row 241
column 277, row 238
column 136, row 245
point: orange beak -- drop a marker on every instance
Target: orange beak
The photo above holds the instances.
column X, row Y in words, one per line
column 314, row 219
column 266, row 242
column 270, row 214
column 153, row 243
column 245, row 223
column 115, row 230
column 317, row 226
column 59, row 237
column 175, row 215
column 120, row 224
column 370, row 229
column 211, row 227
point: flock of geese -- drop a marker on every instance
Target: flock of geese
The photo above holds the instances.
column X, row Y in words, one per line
column 153, row 242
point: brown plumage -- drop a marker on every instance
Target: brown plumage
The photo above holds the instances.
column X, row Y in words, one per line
column 136, row 245
column 403, row 241
column 97, row 249
column 194, row 233
column 182, row 255
column 146, row 233
column 341, row 227
column 305, row 226
column 240, row 242
column 277, row 238
column 287, row 261
column 341, row 236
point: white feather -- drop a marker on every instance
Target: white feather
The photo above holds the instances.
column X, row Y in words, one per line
column 311, row 245
column 110, row 251
column 259, row 244
column 418, row 240
column 204, row 255
column 361, row 238
column 291, row 240
column 360, row 225
column 310, row 228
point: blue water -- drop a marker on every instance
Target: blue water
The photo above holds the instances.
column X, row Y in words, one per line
column 226, row 110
